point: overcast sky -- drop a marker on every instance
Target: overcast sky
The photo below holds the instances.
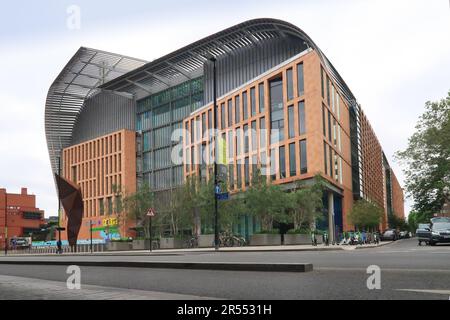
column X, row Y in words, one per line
column 394, row 55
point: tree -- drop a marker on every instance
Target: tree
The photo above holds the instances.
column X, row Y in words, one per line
column 305, row 203
column 427, row 158
column 137, row 204
column 395, row 222
column 266, row 201
column 365, row 214
column 415, row 218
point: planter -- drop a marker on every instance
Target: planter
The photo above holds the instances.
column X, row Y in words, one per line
column 170, row 243
column 296, row 239
column 141, row 244
column 119, row 246
column 265, row 240
column 206, row 241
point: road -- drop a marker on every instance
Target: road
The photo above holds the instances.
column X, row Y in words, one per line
column 407, row 272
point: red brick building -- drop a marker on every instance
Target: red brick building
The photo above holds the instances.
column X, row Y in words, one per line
column 22, row 218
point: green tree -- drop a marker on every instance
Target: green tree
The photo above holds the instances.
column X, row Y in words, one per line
column 396, row 222
column 426, row 159
column 268, row 202
column 415, row 218
column 136, row 206
column 365, row 214
column 305, row 203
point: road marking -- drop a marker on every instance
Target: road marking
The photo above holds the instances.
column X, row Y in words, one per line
column 443, row 292
column 382, row 269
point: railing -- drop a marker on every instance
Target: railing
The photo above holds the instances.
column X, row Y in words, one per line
column 83, row 248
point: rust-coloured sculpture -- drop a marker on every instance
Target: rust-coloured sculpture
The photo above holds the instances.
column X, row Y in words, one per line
column 72, row 202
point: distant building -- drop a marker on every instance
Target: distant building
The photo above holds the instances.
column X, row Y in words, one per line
column 22, row 218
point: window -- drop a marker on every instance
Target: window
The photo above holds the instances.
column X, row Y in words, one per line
column 192, row 131
column 329, row 126
column 203, row 124
column 261, row 98
column 210, row 120
column 253, row 133
column 303, row 158
column 328, row 91
column 230, row 113
column 231, row 176
column 300, row 80
column 262, row 133
column 273, row 169
column 246, row 139
column 330, row 154
column 324, row 126
column 253, row 101
column 333, row 99
column 292, row 160
column 222, row 116
column 301, row 117
column 282, row 159
column 110, row 206
column 238, row 141
column 340, row 170
column 291, row 127
column 254, row 165
column 290, row 85
column 237, row 109
column 239, row 174
column 276, row 110
column 321, row 82
column 245, row 105
column 247, row 172
column 338, row 106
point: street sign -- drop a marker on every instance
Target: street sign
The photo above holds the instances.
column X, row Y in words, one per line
column 223, row 196
column 151, row 212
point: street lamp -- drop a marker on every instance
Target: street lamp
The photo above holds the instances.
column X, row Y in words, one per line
column 211, row 58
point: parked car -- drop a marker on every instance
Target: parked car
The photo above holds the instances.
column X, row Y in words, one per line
column 423, row 233
column 403, row 235
column 440, row 233
column 389, row 235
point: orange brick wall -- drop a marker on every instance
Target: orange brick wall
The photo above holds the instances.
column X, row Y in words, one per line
column 398, row 201
column 97, row 166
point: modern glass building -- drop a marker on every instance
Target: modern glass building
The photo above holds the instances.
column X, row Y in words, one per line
column 282, row 107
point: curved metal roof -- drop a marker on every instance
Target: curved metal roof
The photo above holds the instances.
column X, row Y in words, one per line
column 90, row 69
column 187, row 62
column 80, row 78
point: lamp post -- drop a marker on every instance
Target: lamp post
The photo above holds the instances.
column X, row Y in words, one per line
column 90, row 231
column 216, row 184
column 59, row 204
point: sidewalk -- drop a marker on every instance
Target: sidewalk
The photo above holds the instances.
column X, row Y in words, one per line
column 283, row 248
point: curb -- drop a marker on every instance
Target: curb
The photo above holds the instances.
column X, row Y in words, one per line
column 224, row 266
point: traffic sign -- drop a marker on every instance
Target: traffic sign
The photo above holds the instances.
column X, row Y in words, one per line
column 151, row 212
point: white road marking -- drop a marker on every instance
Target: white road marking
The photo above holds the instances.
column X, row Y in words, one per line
column 444, row 292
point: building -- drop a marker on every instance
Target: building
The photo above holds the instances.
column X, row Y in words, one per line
column 272, row 78
column 23, row 218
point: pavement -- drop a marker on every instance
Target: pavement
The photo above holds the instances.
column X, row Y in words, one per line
column 407, row 272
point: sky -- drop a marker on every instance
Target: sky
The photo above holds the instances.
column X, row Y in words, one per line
column 394, row 55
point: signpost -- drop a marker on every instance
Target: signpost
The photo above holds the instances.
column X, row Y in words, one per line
column 151, row 213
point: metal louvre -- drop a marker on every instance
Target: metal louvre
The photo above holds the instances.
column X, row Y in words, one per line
column 188, row 62
column 87, row 70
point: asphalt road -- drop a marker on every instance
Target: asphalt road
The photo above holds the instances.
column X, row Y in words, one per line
column 407, row 272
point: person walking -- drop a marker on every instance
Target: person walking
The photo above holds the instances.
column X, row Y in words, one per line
column 313, row 238
column 59, row 247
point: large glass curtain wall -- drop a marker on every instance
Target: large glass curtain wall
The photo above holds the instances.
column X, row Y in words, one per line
column 158, row 117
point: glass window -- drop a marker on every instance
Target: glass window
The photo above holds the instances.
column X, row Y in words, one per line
column 330, row 154
column 222, row 116
column 329, row 126
column 333, row 99
column 230, row 113
column 328, row 91
column 203, row 124
column 245, row 105
column 325, row 158
column 262, row 132
column 291, row 127
column 210, row 120
column 303, row 157
column 273, row 169
column 246, row 139
column 247, row 171
column 324, row 126
column 290, row 84
column 231, row 176
column 254, row 165
column 338, row 106
column 301, row 117
column 261, row 98
column 237, row 109
column 276, row 110
column 282, row 159
column 300, row 80
column 292, row 160
column 239, row 174
column 253, row 101
column 238, row 141
column 321, row 82
column 254, row 142
column 192, row 131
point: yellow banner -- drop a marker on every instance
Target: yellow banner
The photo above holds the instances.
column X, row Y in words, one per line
column 222, row 151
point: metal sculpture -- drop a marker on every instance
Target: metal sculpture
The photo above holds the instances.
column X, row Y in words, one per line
column 72, row 202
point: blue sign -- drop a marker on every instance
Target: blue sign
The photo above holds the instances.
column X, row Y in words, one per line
column 223, row 196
